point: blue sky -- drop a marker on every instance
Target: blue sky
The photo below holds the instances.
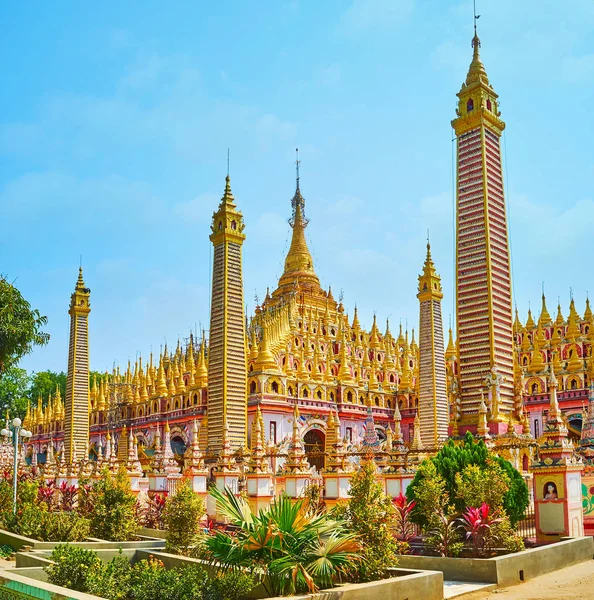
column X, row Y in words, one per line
column 116, row 117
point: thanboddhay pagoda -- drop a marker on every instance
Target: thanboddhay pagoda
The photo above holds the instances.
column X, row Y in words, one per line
column 301, row 389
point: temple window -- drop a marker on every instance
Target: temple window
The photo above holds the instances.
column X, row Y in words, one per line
column 349, row 396
column 331, row 396
column 305, row 394
column 273, row 432
column 536, row 428
column 535, row 388
column 253, row 387
column 319, row 395
column 290, row 391
column 233, row 225
column 470, row 105
column 349, row 434
column 573, row 384
column 489, row 105
column 275, row 387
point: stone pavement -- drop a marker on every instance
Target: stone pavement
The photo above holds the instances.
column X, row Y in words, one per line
column 572, row 583
column 453, row 589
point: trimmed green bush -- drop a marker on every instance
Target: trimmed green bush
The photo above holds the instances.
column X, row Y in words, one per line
column 454, row 458
column 113, row 516
column 182, row 515
column 73, row 567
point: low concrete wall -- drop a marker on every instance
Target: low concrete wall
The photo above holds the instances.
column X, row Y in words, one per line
column 19, row 541
column 153, row 533
column 41, row 558
column 510, row 568
column 480, row 570
column 14, row 585
column 407, row 585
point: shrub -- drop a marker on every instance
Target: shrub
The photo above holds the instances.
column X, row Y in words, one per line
column 444, row 538
column 487, row 485
column 65, row 527
column 112, row 580
column 453, row 459
column 37, row 523
column 151, row 581
column 5, row 495
column 233, row 585
column 405, row 529
column 505, row 536
column 182, row 515
column 479, row 524
column 430, row 495
column 113, row 516
column 151, row 510
column 73, row 567
column 370, row 513
column 68, row 495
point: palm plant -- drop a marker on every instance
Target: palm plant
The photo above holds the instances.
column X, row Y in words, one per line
column 293, row 548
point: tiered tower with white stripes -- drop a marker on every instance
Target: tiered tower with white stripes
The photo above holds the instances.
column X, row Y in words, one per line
column 433, row 401
column 76, row 405
column 227, row 369
column 483, row 282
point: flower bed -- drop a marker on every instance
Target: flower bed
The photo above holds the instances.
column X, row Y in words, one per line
column 508, row 569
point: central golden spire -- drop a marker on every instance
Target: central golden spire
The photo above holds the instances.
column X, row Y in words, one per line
column 299, row 268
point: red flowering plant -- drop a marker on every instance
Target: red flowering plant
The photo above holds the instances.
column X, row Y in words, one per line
column 68, row 496
column 405, row 528
column 45, row 494
column 151, row 511
column 478, row 524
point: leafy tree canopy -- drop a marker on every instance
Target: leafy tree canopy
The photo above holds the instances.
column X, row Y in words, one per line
column 454, row 458
column 44, row 383
column 14, row 386
column 20, row 326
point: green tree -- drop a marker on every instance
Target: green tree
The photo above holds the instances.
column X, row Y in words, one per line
column 20, row 326
column 114, row 507
column 370, row 514
column 14, row 386
column 183, row 512
column 44, row 383
column 453, row 458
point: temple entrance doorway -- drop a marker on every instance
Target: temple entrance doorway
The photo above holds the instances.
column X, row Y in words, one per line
column 313, row 441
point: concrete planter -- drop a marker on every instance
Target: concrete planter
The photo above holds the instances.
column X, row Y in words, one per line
column 29, row 580
column 19, row 541
column 508, row 569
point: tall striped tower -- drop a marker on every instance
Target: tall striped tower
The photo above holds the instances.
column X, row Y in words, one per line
column 227, row 369
column 483, row 282
column 76, row 405
column 433, row 401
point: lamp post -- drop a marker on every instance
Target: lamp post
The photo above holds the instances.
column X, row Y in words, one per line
column 16, row 431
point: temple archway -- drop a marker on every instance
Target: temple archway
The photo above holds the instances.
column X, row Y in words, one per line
column 314, row 441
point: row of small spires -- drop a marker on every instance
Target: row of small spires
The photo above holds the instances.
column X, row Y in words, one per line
column 545, row 319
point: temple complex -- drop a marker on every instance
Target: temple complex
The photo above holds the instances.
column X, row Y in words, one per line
column 301, row 388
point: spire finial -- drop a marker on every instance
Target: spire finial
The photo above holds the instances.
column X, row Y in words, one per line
column 476, row 17
column 227, row 162
column 297, row 163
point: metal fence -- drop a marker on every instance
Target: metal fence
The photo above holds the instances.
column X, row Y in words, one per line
column 527, row 526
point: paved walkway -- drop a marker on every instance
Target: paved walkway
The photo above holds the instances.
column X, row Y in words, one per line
column 572, row 583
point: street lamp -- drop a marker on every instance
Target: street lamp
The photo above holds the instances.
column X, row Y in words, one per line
column 18, row 434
